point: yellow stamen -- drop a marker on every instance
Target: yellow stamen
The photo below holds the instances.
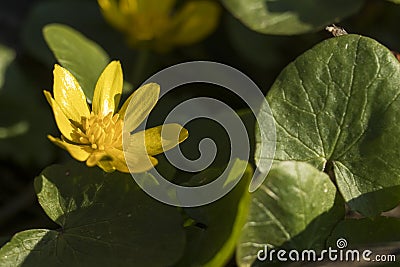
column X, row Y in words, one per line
column 100, row 132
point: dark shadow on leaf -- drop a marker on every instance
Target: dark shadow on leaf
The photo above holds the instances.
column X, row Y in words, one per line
column 105, row 219
column 214, row 225
column 373, row 203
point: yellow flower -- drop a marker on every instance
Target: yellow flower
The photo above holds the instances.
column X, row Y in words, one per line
column 96, row 136
column 158, row 25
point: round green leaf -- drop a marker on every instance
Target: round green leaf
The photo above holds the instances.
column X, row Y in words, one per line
column 84, row 58
column 336, row 106
column 288, row 17
column 105, row 219
column 296, row 207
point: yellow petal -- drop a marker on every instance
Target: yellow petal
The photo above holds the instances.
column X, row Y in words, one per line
column 108, row 89
column 128, row 7
column 69, row 95
column 139, row 162
column 95, row 157
column 140, row 103
column 66, row 127
column 106, row 165
column 194, row 22
column 116, row 161
column 80, row 153
column 143, row 164
column 156, row 140
column 112, row 13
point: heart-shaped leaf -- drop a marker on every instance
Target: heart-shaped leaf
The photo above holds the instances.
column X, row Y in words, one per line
column 337, row 107
column 105, row 220
column 288, row 17
column 296, row 207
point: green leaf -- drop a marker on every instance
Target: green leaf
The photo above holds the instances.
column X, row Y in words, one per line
column 216, row 227
column 361, row 232
column 105, row 220
column 395, row 1
column 86, row 17
column 288, row 17
column 296, row 207
column 84, row 58
column 336, row 107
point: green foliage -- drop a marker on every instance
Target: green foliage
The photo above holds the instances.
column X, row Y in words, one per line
column 296, row 207
column 26, row 120
column 335, row 107
column 212, row 237
column 108, row 219
column 86, row 17
column 362, row 232
column 104, row 219
column 82, row 57
column 288, row 17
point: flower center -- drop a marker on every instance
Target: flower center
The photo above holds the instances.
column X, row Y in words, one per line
column 101, row 132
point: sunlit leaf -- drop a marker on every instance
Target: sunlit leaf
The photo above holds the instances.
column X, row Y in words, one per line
column 336, row 107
